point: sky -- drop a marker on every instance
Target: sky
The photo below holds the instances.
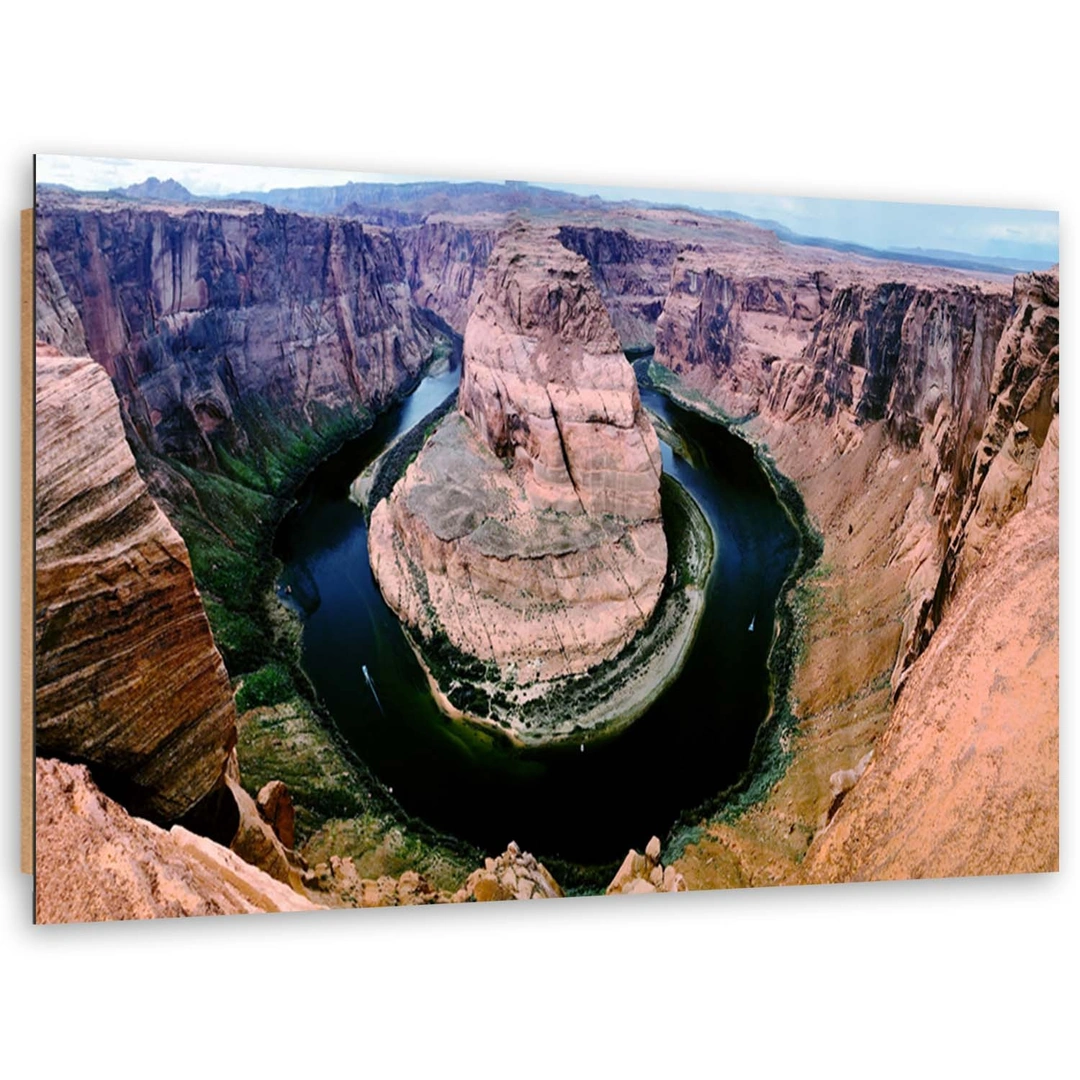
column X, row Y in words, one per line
column 981, row 231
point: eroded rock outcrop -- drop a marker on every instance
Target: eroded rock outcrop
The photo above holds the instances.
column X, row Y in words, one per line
column 645, row 873
column 94, row 861
column 527, row 532
column 128, row 678
column 275, row 806
column 514, row 875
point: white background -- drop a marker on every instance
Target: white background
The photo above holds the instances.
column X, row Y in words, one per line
column 910, row 101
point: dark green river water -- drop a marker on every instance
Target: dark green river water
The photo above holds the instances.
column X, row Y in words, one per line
column 584, row 807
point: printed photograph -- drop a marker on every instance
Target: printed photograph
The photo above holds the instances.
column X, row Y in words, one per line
column 424, row 540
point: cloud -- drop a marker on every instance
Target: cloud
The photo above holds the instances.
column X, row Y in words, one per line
column 102, row 174
column 1025, row 232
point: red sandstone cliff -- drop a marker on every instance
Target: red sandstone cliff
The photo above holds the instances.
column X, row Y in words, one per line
column 528, row 529
column 812, row 345
column 217, row 323
column 932, row 472
column 128, row 679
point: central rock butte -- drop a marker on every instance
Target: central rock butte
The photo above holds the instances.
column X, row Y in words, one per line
column 527, row 533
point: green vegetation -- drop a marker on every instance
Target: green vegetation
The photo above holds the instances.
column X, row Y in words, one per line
column 340, row 808
column 288, row 742
column 680, row 838
column 650, row 373
column 228, row 519
column 270, row 685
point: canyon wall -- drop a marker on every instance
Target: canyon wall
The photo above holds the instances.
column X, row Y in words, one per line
column 445, row 263
column 1021, row 422
column 723, row 326
column 127, row 676
column 965, row 777
column 919, row 418
column 799, row 347
column 632, row 273
column 528, row 529
column 916, row 408
column 220, row 326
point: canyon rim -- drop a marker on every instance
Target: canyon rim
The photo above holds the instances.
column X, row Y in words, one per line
column 411, row 543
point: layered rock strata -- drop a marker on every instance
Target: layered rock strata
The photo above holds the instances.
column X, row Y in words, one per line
column 128, row 679
column 218, row 325
column 528, row 530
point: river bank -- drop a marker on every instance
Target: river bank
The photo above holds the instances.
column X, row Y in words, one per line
column 774, row 745
column 844, row 613
column 469, row 779
column 230, row 528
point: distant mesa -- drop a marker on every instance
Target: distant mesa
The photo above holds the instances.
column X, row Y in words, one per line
column 157, row 190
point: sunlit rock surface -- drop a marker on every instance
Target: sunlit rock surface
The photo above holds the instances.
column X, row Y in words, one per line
column 128, row 679
column 528, row 529
column 94, row 861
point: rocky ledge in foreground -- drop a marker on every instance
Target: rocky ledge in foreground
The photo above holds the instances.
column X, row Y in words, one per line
column 524, row 546
column 127, row 868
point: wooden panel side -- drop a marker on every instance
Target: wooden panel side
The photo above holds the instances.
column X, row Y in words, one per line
column 26, row 860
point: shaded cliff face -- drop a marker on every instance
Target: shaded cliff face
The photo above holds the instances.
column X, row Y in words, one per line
column 632, row 274
column 1020, row 423
column 528, row 529
column 217, row 326
column 445, row 264
column 128, row 679
column 723, row 328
